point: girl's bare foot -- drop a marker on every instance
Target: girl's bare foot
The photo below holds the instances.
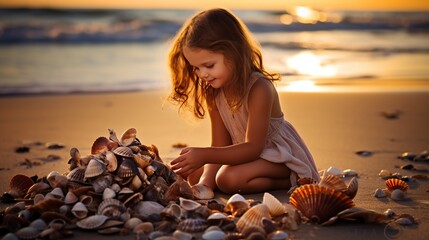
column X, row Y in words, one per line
column 202, row 191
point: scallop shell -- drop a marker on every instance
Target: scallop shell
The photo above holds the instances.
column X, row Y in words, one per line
column 19, row 185
column 112, row 208
column 319, row 203
column 172, row 211
column 253, row 217
column 188, row 204
column 100, row 145
column 95, row 168
column 128, row 136
column 124, row 152
column 192, row 225
column 127, row 169
column 274, row 205
column 92, row 222
column 352, row 188
column 79, row 210
column 333, row 181
column 77, row 174
column 394, row 183
column 333, row 171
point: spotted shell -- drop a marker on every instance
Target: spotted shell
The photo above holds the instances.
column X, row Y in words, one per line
column 253, row 217
column 111, row 207
column 95, row 168
column 394, row 183
column 333, row 181
column 92, row 222
column 319, row 203
column 192, row 225
column 128, row 136
column 19, row 185
column 100, row 145
column 274, row 205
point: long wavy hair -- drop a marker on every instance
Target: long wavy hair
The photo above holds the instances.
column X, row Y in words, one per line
column 220, row 31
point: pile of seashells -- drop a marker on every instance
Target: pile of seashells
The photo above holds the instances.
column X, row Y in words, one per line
column 123, row 187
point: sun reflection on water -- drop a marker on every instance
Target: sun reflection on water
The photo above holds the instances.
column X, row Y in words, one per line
column 307, row 63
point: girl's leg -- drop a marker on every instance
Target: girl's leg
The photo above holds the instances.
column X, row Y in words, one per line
column 256, row 176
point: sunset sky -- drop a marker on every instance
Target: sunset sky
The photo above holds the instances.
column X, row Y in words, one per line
column 236, row 4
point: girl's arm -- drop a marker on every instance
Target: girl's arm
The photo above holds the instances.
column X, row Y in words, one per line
column 260, row 101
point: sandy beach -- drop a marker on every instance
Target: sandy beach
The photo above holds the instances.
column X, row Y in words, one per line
column 333, row 124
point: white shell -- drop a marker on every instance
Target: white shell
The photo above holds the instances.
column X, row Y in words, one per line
column 108, row 193
column 334, row 171
column 350, row 173
column 379, row 193
column 398, row 195
column 79, row 210
column 274, row 205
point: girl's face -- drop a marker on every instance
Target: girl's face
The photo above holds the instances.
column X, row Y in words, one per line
column 209, row 66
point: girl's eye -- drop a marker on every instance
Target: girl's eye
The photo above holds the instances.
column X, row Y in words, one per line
column 210, row 66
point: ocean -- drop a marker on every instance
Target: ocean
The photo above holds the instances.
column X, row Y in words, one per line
column 51, row 51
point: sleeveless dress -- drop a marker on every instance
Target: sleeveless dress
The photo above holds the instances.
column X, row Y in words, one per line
column 283, row 144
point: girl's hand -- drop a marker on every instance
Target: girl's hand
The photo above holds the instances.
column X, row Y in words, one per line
column 190, row 160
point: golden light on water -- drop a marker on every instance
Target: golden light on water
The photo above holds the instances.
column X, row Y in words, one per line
column 307, row 63
column 306, row 15
column 301, row 86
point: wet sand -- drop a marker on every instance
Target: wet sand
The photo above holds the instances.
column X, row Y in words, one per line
column 334, row 126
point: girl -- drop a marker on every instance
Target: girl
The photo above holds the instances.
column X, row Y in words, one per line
column 217, row 67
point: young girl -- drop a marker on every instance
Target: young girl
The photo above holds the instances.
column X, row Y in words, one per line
column 217, row 68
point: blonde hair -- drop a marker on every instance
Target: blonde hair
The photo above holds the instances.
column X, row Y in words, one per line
column 220, row 31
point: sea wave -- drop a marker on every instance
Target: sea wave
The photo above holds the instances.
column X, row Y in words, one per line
column 110, row 26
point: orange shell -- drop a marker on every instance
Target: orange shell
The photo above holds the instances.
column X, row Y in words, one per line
column 253, row 217
column 319, row 203
column 19, row 185
column 333, row 181
column 128, row 136
column 100, row 145
column 394, row 183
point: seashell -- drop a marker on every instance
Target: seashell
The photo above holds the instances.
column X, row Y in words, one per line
column 356, row 214
column 305, row 180
column 192, row 225
column 319, row 203
column 215, row 234
column 352, row 188
column 389, row 213
column 38, row 198
column 127, row 169
column 49, row 216
column 149, row 170
column 275, row 207
column 133, row 200
column 112, row 161
column 201, row 191
column 128, row 136
column 180, row 235
column 237, row 205
column 39, row 187
column 124, row 152
column 70, row 198
column 292, row 219
column 144, row 227
column 333, row 171
column 350, row 173
column 92, row 222
column 404, row 221
column 83, row 190
column 132, row 223
column 100, row 145
column 333, row 181
column 56, row 193
column 172, row 211
column 101, row 183
column 12, row 236
column 407, row 156
column 135, row 183
column 109, row 230
column 77, row 174
column 19, row 185
column 216, row 218
column 398, row 195
column 64, row 209
column 146, row 208
column 278, row 235
column 253, row 217
column 395, row 183
column 142, row 160
column 38, row 224
column 27, row 233
column 379, row 193
column 188, row 204
column 86, row 199
column 79, row 210
column 55, row 179
column 115, row 187
column 254, row 232
column 95, row 168
column 113, row 208
column 108, row 193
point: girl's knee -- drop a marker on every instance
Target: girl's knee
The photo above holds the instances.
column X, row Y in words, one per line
column 227, row 182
